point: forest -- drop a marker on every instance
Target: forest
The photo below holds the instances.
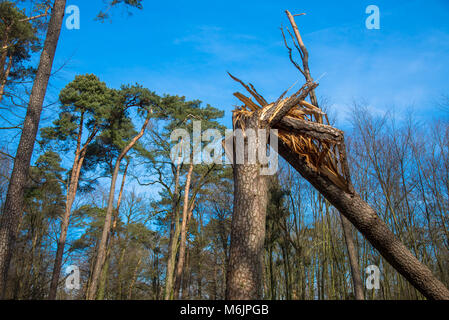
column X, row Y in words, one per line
column 101, row 198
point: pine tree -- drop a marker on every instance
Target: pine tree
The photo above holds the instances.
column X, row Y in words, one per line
column 86, row 104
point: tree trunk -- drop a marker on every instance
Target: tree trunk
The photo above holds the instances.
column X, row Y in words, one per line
column 353, row 259
column 134, row 278
column 119, row 269
column 171, row 262
column 174, row 234
column 182, row 244
column 155, row 280
column 108, row 218
column 14, row 199
column 272, row 279
column 104, row 273
column 186, row 275
column 244, row 280
column 286, row 265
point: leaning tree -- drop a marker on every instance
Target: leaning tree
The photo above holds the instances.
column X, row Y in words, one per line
column 318, row 152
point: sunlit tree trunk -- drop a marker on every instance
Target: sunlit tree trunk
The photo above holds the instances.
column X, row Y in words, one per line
column 104, row 272
column 244, row 280
column 14, row 199
column 182, row 244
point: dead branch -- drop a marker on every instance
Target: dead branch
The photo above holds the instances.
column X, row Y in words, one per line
column 254, row 93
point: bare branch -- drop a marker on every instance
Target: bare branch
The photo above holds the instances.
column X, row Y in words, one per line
column 36, row 17
column 290, row 53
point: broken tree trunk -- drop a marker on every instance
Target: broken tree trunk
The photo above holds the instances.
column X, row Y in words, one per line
column 244, row 279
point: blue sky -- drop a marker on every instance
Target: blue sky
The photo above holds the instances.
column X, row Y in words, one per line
column 186, row 47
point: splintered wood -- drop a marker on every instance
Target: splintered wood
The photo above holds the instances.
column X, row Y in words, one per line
column 302, row 129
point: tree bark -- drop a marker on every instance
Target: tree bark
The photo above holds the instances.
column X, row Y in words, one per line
column 186, row 275
column 108, row 218
column 244, row 280
column 173, row 239
column 14, row 199
column 171, row 262
column 182, row 244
